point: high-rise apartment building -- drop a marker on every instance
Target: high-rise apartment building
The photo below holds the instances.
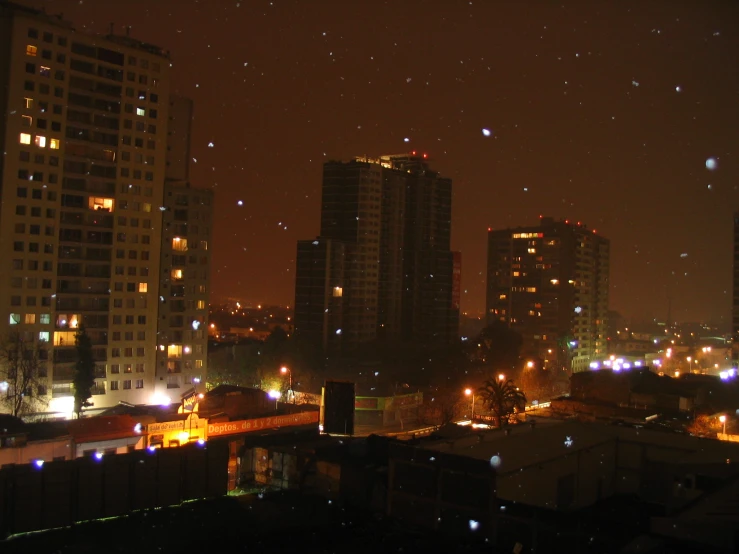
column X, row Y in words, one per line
column 382, row 266
column 550, row 283
column 85, row 147
column 184, row 288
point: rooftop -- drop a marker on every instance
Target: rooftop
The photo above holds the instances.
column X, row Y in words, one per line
column 520, row 446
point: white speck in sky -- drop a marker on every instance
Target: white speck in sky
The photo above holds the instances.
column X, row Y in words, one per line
column 678, row 88
column 406, row 139
column 711, row 164
column 211, row 145
column 487, row 132
column 240, row 202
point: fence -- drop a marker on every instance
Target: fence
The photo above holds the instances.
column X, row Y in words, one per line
column 58, row 494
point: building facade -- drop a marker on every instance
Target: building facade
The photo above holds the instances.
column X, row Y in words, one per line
column 182, row 351
column 83, row 190
column 550, row 283
column 387, row 225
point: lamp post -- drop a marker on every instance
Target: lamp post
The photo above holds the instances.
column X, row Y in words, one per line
column 285, row 370
column 722, row 419
column 501, row 377
column 469, row 392
column 690, row 361
column 276, row 395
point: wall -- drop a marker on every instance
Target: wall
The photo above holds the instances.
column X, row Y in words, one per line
column 61, row 493
column 591, row 474
column 38, row 450
column 121, row 445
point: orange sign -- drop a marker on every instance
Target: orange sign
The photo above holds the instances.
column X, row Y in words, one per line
column 249, row 425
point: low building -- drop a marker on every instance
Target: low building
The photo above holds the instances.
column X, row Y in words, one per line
column 24, row 443
column 488, row 480
column 106, row 435
column 177, row 432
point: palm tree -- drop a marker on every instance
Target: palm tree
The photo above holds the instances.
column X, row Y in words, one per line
column 502, row 398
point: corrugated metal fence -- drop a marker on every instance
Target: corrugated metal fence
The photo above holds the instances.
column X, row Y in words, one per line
column 58, row 494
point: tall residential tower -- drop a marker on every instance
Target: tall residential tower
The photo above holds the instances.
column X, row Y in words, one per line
column 85, row 143
column 550, row 283
column 382, row 266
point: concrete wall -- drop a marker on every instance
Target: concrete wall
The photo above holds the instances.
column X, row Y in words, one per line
column 38, row 450
column 541, row 484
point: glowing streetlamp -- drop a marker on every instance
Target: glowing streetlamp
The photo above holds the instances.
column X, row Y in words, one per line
column 722, row 419
column 285, row 370
column 275, row 394
column 690, row 361
column 530, row 364
column 501, row 377
column 470, row 392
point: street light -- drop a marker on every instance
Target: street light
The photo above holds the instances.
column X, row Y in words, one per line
column 285, row 370
column 722, row 419
column 501, row 377
column 276, row 395
column 690, row 361
column 530, row 364
column 470, row 392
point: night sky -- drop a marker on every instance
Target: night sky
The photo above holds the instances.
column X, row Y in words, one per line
column 603, row 112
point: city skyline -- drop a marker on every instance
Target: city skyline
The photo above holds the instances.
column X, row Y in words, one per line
column 616, row 115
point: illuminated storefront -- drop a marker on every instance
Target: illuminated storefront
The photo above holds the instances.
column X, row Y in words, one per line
column 169, row 434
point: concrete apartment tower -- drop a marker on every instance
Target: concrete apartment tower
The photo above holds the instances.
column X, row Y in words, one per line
column 185, row 267
column 381, row 268
column 85, row 142
column 550, row 283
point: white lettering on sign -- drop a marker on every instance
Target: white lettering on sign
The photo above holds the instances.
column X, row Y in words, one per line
column 247, row 425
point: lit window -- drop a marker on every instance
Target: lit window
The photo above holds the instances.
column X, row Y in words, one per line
column 31, row 50
column 101, row 203
column 29, row 103
column 179, row 244
column 43, row 336
column 143, row 287
column 64, row 338
column 201, row 304
column 174, row 351
column 177, row 274
column 40, row 141
column 27, row 120
column 44, row 71
column 29, row 319
column 25, row 138
column 140, row 111
column 338, row 292
column 54, row 144
column 15, row 319
column 198, row 364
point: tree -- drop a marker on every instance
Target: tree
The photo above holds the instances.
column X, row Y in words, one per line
column 441, row 408
column 23, row 372
column 499, row 346
column 502, row 398
column 84, row 371
column 704, row 426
